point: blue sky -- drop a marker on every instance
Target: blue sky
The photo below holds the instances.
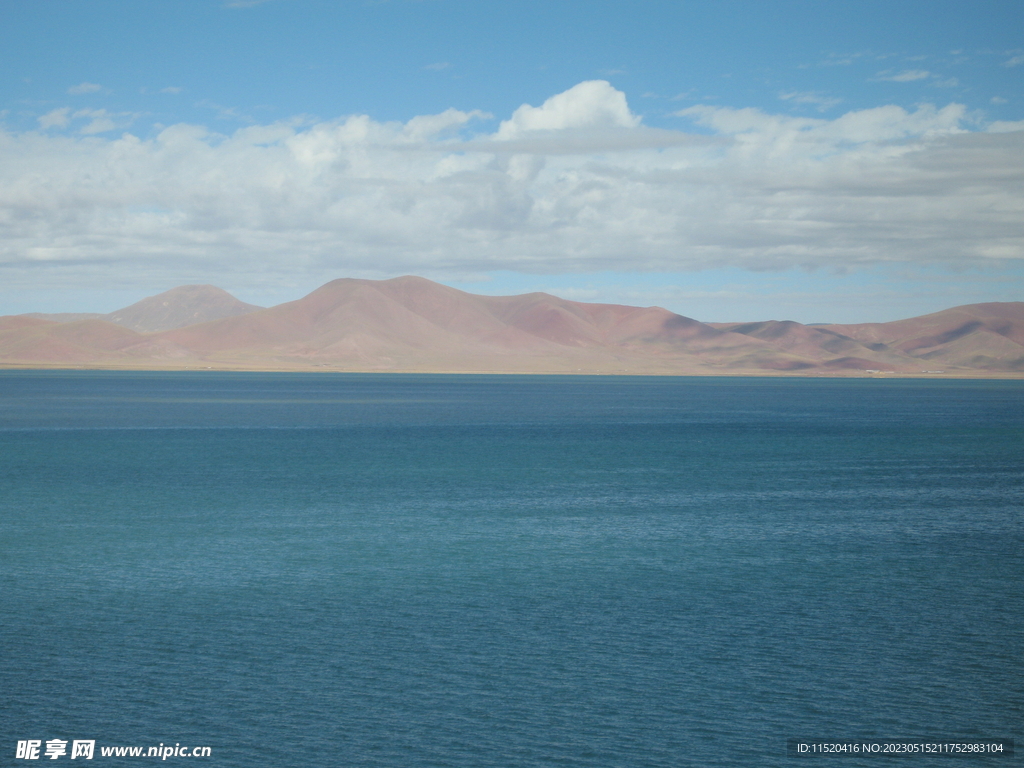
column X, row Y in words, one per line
column 843, row 161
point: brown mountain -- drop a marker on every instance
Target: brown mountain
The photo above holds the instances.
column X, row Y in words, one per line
column 981, row 336
column 411, row 324
column 66, row 317
column 176, row 308
column 28, row 340
column 826, row 346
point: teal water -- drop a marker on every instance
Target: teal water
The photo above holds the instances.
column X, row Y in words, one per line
column 390, row 570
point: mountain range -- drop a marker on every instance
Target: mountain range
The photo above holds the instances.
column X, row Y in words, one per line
column 413, row 324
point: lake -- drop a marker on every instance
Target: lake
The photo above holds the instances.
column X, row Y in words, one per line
column 459, row 570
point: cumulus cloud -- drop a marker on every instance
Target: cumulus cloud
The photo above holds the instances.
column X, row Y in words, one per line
column 576, row 184
column 56, row 118
column 591, row 104
column 590, row 117
column 102, row 121
column 81, row 88
column 99, row 121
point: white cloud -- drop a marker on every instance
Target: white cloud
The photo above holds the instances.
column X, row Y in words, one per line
column 591, row 104
column 426, row 127
column 1006, row 126
column 100, row 121
column 1014, row 62
column 172, row 89
column 906, row 76
column 999, row 100
column 56, row 118
column 577, row 184
column 437, row 66
column 820, row 101
column 98, row 125
column 224, row 113
column 81, row 88
column 867, row 126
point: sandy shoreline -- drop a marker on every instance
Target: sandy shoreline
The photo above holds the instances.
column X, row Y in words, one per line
column 321, row 368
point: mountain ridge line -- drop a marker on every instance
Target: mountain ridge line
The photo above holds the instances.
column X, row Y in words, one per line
column 412, row 324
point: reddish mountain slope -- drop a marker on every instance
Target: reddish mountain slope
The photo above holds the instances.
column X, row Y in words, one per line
column 983, row 336
column 176, row 308
column 414, row 321
column 30, row 340
column 410, row 323
column 66, row 317
column 811, row 341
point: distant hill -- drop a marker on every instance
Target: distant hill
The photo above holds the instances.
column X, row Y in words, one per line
column 66, row 317
column 176, row 308
column 413, row 324
column 981, row 336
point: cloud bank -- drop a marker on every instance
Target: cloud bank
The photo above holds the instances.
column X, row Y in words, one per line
column 577, row 184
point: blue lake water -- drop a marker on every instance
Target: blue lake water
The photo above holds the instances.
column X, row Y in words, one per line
column 417, row 570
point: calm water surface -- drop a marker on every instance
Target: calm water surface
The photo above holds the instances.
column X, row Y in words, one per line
column 473, row 571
